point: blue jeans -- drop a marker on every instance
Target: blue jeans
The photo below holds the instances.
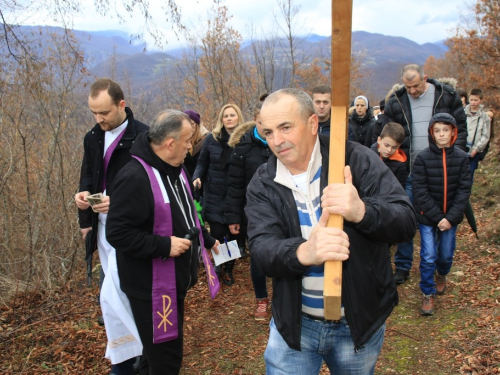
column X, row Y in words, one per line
column 403, row 258
column 473, row 162
column 322, row 341
column 436, row 253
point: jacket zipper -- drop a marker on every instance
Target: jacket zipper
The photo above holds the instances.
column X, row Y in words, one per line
column 409, row 126
column 445, row 173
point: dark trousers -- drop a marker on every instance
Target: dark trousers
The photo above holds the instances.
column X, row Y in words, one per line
column 258, row 279
column 164, row 358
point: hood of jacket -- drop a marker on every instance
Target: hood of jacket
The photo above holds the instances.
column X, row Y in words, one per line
column 235, row 137
column 469, row 113
column 399, row 155
column 362, row 120
column 446, row 118
column 437, row 84
column 142, row 149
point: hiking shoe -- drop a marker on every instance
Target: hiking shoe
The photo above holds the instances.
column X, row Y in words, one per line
column 218, row 271
column 401, row 276
column 427, row 305
column 227, row 278
column 261, row 311
column 440, row 284
column 243, row 252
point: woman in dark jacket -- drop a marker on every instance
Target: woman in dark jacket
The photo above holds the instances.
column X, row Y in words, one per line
column 360, row 122
column 212, row 174
column 250, row 152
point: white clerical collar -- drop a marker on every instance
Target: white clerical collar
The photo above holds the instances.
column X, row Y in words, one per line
column 119, row 129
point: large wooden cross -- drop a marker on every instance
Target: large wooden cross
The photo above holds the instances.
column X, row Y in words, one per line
column 340, row 75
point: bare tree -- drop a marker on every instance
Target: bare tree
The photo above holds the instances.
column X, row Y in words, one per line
column 265, row 59
column 217, row 72
column 41, row 129
column 288, row 23
column 62, row 13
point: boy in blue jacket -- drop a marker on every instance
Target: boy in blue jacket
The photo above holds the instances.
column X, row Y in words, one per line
column 441, row 188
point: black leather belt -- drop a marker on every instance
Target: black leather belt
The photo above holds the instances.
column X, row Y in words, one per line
column 320, row 319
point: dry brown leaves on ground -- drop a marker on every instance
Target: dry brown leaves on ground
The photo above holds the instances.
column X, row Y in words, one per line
column 57, row 332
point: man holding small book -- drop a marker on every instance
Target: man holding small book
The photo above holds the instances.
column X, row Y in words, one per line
column 106, row 150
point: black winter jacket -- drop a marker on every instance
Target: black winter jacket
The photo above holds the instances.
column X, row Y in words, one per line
column 359, row 128
column 249, row 154
column 129, row 227
column 378, row 126
column 446, row 100
column 213, row 169
column 396, row 163
column 441, row 184
column 92, row 167
column 368, row 290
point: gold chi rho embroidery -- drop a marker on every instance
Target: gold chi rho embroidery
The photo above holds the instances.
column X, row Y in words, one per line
column 166, row 312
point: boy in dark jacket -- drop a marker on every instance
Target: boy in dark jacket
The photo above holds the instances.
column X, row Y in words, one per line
column 388, row 147
column 441, row 188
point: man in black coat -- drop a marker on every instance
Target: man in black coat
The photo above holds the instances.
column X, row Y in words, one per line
column 412, row 106
column 288, row 204
column 146, row 241
column 106, row 150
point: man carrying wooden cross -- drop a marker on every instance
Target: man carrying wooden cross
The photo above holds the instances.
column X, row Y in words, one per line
column 288, row 204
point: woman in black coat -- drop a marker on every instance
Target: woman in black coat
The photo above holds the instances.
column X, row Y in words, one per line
column 212, row 174
column 250, row 152
column 361, row 121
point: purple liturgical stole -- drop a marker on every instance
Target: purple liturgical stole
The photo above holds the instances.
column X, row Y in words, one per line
column 212, row 279
column 107, row 157
column 164, row 291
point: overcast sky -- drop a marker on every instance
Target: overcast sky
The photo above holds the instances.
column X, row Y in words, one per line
column 419, row 20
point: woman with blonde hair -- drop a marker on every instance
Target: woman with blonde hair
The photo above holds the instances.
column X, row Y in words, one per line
column 212, row 174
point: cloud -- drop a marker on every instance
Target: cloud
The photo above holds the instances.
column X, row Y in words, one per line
column 450, row 18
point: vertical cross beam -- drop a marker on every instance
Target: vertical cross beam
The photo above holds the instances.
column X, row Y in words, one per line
column 340, row 75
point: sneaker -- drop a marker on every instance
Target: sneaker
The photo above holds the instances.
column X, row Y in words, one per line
column 261, row 311
column 100, row 321
column 401, row 276
column 440, row 284
column 427, row 305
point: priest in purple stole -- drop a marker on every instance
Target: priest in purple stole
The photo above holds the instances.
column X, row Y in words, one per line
column 154, row 227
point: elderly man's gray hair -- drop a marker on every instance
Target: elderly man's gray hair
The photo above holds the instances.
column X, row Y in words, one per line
column 168, row 123
column 410, row 72
column 306, row 106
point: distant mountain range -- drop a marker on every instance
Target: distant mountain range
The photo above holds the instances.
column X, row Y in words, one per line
column 111, row 51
